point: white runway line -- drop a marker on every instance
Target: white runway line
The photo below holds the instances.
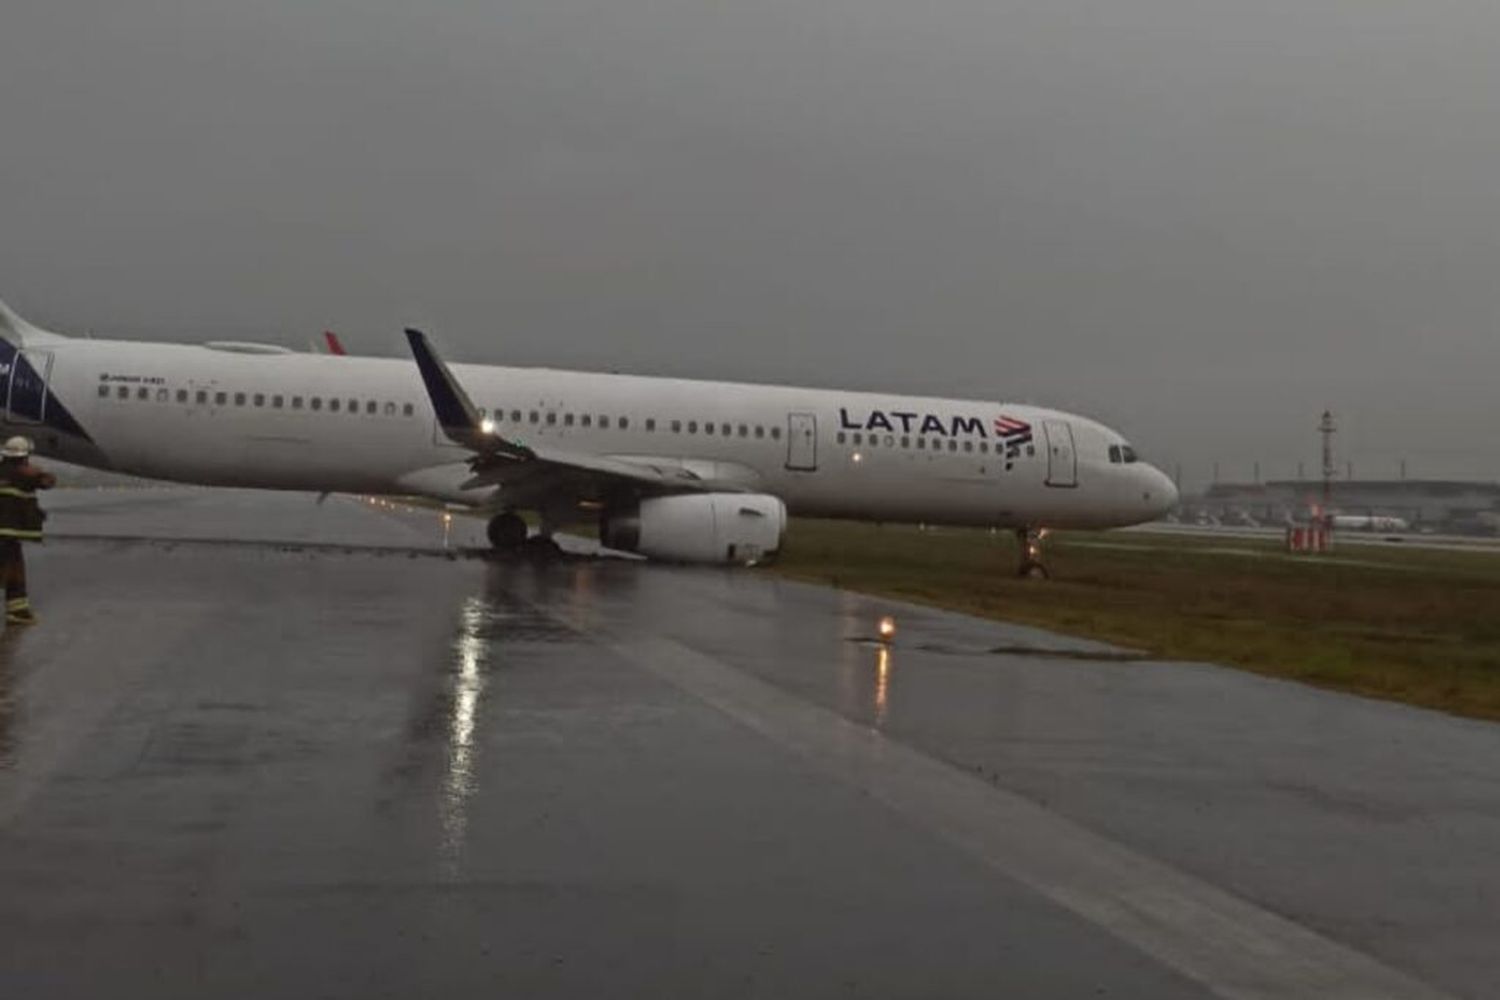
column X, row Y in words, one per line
column 1235, row 949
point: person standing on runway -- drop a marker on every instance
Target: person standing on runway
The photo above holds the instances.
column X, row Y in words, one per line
column 21, row 520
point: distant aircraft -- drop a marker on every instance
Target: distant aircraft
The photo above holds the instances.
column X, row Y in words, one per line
column 1370, row 522
column 688, row 471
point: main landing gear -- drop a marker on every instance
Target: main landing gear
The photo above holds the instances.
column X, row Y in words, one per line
column 1029, row 542
column 508, row 534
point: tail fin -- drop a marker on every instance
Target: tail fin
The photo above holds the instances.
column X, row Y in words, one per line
column 17, row 331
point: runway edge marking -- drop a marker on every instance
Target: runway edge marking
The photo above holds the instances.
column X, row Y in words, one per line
column 1234, row 948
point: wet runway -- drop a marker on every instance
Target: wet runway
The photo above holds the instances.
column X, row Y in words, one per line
column 265, row 746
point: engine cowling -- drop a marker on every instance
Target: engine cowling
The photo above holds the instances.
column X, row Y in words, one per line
column 698, row 527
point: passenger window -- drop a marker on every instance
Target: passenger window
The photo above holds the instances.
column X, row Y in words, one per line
column 161, row 395
column 371, row 406
column 260, row 399
column 123, row 392
column 515, row 416
column 390, row 409
column 921, row 442
column 202, row 397
column 744, row 431
column 859, row 438
column 353, row 406
column 551, row 417
column 333, row 405
column 692, row 427
column 905, row 442
column 239, row 399
column 276, row 402
column 841, row 437
column 296, row 402
column 221, row 398
column 650, row 424
column 708, row 428
column 726, row 430
column 952, row 445
column 624, row 423
column 968, row 446
column 103, row 389
column 568, row 420
column 316, row 402
column 677, row 427
column 776, row 433
column 760, row 431
column 984, row 448
column 587, row 420
column 407, row 409
column 143, row 393
column 534, row 416
column 1031, row 449
column 604, row 423
column 182, row 395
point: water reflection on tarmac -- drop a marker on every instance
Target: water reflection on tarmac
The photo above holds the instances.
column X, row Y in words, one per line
column 260, row 745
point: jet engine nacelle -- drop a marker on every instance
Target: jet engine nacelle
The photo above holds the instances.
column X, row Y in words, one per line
column 698, row 527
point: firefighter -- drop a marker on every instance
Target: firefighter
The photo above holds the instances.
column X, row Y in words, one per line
column 20, row 520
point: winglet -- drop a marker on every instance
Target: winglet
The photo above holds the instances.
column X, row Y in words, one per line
column 456, row 413
column 334, row 346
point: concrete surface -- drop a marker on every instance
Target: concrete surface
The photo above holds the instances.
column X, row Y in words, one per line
column 265, row 746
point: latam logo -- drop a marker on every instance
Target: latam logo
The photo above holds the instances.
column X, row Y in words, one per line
column 1008, row 429
column 1014, row 433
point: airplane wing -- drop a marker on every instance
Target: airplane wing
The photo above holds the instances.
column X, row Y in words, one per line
column 525, row 473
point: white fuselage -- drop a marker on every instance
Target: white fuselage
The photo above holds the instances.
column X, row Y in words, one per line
column 292, row 421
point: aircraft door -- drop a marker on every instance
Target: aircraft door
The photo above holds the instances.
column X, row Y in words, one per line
column 801, row 442
column 26, row 387
column 1062, row 457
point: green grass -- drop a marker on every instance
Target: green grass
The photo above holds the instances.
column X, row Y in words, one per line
column 1417, row 626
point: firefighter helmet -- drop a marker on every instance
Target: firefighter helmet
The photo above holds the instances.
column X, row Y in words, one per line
column 17, row 447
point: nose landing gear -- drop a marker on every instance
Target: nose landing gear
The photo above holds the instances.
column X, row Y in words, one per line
column 1029, row 542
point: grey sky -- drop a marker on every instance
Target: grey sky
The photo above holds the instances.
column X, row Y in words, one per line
column 1200, row 221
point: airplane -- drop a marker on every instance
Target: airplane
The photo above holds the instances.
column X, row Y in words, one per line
column 668, row 468
column 1370, row 522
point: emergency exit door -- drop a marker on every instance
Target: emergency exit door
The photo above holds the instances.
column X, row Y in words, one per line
column 1062, row 458
column 801, row 442
column 26, row 387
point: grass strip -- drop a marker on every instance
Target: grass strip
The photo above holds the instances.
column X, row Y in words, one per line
column 1416, row 626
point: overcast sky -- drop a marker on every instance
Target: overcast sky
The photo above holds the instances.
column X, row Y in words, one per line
column 1199, row 221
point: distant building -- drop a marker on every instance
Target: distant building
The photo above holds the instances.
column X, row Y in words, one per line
column 1427, row 504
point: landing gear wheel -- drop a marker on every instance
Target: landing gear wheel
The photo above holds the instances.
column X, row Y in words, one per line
column 1030, row 544
column 507, row 532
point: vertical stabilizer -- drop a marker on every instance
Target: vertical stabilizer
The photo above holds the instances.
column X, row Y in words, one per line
column 19, row 332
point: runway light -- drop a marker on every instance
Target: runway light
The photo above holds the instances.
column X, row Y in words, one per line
column 886, row 629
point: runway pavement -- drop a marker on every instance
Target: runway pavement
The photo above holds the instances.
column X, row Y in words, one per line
column 265, row 746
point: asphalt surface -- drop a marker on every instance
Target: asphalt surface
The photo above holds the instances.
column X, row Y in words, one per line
column 264, row 746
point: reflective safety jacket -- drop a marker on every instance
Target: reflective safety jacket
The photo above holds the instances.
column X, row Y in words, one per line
column 20, row 515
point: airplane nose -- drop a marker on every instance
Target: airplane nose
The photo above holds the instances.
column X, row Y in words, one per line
column 1164, row 495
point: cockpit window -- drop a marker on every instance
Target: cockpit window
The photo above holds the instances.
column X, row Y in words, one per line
column 1114, row 454
column 1128, row 453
